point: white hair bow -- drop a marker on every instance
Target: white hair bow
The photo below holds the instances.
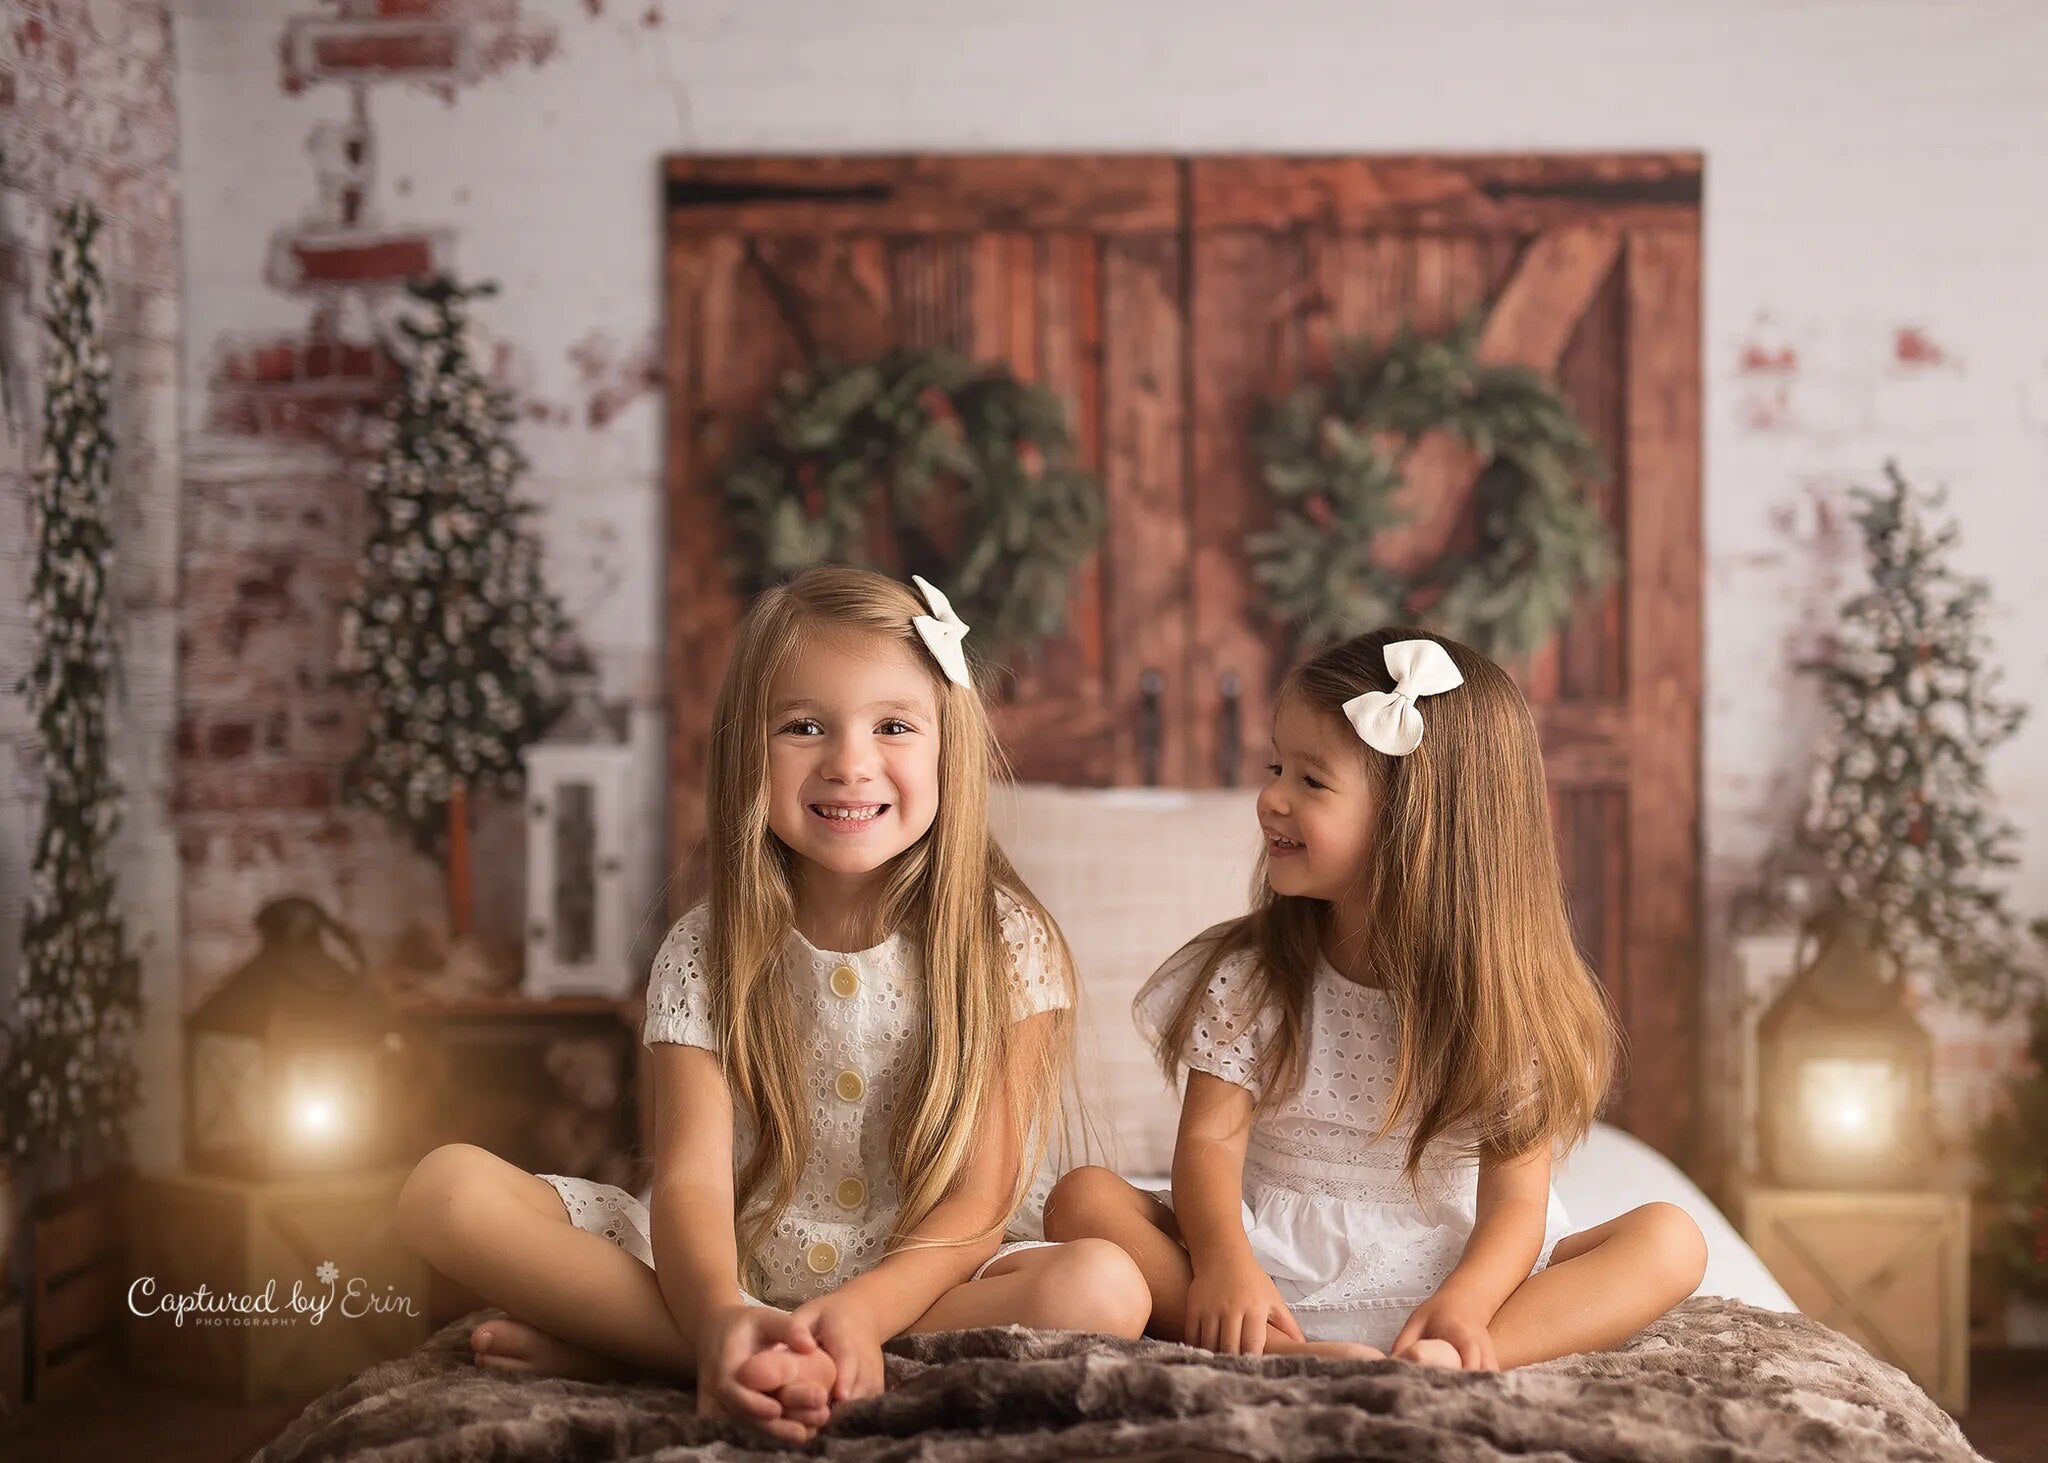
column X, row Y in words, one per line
column 943, row 633
column 1387, row 721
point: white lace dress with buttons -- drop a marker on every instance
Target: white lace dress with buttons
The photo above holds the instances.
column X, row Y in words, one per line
column 1351, row 1245
column 860, row 1011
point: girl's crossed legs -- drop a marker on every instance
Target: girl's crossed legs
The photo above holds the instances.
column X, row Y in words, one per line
column 578, row 1305
column 1100, row 1202
column 1602, row 1284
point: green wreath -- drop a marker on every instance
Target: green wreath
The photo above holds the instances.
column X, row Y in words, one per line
column 1332, row 454
column 915, row 427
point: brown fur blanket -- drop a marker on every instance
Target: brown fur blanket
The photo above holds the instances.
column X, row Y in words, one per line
column 1713, row 1380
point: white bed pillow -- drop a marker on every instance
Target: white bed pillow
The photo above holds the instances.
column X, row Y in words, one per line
column 1130, row 874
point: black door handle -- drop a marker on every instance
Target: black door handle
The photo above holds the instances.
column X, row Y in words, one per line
column 1150, row 687
column 1229, row 730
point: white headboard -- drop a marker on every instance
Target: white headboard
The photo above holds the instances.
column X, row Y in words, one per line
column 1130, row 874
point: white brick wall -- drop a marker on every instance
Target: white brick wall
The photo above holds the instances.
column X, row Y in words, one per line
column 1872, row 168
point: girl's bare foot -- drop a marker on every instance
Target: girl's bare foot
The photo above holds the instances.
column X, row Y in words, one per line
column 517, row 1348
column 1278, row 1345
column 800, row 1380
column 1431, row 1352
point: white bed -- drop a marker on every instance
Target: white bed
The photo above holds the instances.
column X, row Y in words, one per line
column 1613, row 1172
column 1130, row 876
column 1132, row 873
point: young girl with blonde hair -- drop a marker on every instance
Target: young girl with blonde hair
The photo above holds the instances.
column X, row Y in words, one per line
column 1383, row 1055
column 857, row 1045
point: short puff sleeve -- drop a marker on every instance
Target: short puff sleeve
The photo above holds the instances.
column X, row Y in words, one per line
column 679, row 987
column 1038, row 978
column 1229, row 1032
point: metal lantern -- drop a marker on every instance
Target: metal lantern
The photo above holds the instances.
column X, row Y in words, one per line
column 1846, row 1086
column 586, row 850
column 292, row 1065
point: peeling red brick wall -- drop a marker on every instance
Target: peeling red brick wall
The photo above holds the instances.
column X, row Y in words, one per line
column 274, row 496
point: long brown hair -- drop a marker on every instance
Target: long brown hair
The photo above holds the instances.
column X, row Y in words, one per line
column 1505, row 1034
column 941, row 891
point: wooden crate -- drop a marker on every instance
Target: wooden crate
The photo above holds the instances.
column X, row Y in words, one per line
column 1889, row 1269
column 76, row 1272
column 256, row 1238
column 13, row 1356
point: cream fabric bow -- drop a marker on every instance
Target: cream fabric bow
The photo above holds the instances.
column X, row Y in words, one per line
column 1387, row 721
column 943, row 633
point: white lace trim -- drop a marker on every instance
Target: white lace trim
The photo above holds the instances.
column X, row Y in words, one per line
column 1228, row 1034
column 1365, row 1186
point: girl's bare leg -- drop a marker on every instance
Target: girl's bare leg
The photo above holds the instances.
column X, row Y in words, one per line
column 1082, row 1285
column 1096, row 1202
column 578, row 1304
column 1602, row 1285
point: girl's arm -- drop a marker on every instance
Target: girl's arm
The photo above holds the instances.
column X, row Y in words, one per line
column 1208, row 1170
column 1506, row 1238
column 696, row 1253
column 1231, row 1300
column 944, row 1251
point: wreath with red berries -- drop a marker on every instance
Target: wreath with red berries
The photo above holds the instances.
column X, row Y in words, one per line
column 1331, row 455
column 968, row 474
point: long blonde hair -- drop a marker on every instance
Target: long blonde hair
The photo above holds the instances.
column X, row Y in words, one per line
column 1505, row 1034
column 941, row 891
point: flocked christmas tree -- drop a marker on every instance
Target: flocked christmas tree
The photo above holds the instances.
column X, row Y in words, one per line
column 1901, row 817
column 451, row 631
column 70, row 1068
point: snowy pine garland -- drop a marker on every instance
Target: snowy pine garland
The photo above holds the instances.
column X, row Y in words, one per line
column 451, row 630
column 70, row 1067
column 1900, row 815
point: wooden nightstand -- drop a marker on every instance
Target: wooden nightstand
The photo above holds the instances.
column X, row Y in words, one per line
column 1890, row 1269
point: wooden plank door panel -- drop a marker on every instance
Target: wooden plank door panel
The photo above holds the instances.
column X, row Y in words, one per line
column 1586, row 270
column 1069, row 271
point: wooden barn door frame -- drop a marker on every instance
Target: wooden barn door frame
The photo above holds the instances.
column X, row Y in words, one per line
column 1178, row 604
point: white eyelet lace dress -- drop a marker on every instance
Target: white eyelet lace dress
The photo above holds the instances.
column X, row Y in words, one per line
column 1332, row 1218
column 860, row 1011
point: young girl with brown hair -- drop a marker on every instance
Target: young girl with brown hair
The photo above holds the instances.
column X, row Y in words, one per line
column 857, row 1045
column 1382, row 1057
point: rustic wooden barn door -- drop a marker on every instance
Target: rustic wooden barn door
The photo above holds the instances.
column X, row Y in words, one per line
column 1588, row 270
column 1158, row 296
column 1070, row 270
